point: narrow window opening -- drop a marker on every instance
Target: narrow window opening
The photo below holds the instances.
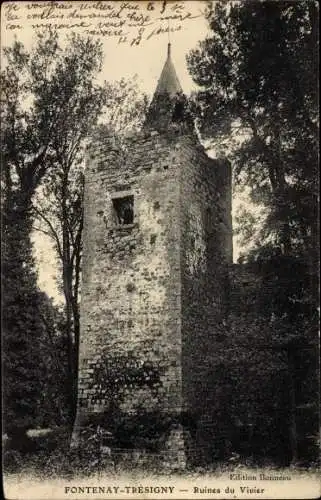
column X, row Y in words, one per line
column 179, row 109
column 124, row 210
column 178, row 113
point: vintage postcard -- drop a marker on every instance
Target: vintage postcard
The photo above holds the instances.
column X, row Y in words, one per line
column 160, row 249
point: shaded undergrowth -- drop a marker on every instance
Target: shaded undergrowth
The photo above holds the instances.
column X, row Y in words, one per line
column 49, row 455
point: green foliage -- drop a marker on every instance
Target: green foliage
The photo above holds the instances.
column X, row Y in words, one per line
column 21, row 327
column 34, row 383
column 50, row 106
column 55, row 397
column 115, row 374
column 146, row 429
column 44, row 94
column 258, row 97
column 257, row 71
column 258, row 364
column 268, row 362
column 125, row 107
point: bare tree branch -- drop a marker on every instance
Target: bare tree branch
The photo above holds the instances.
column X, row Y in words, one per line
column 54, row 233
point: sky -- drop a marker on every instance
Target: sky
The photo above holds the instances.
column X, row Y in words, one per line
column 134, row 36
column 123, row 58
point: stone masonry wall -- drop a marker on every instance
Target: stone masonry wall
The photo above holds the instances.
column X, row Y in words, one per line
column 131, row 275
column 154, row 292
column 206, row 251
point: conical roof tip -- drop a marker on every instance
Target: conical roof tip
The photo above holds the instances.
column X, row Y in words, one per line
column 168, row 81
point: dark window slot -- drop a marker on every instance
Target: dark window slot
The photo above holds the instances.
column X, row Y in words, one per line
column 124, row 210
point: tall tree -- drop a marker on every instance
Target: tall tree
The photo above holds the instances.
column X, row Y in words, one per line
column 258, row 76
column 38, row 88
column 59, row 205
column 258, row 73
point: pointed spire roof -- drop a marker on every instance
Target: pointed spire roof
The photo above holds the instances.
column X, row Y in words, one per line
column 168, row 107
column 168, row 82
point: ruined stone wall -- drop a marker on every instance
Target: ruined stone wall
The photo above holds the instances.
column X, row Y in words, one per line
column 154, row 292
column 206, row 251
column 131, row 276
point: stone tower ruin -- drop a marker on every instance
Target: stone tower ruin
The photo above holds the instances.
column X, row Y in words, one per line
column 157, row 246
